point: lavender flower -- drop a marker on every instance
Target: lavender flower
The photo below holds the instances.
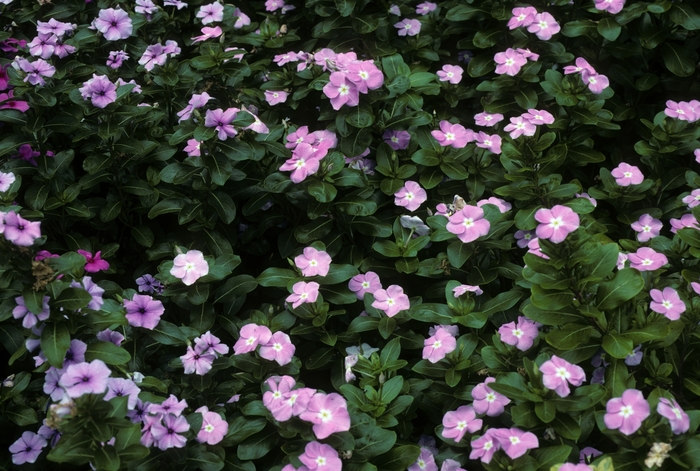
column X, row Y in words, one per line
column 114, row 24
column 27, row 448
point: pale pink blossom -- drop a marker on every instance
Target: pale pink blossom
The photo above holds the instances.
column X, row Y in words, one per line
column 522, row 16
column 367, row 283
column 488, row 119
column 391, row 300
column 647, row 227
column 313, row 262
column 408, row 27
column 303, row 292
column 251, row 335
column 487, row 401
column 454, row 135
column 458, row 422
column 509, row 62
column 556, row 223
column 450, row 73
column 667, row 302
column 626, row 174
column 439, row 345
column 522, row 335
column 544, row 26
column 469, row 224
column 279, row 348
column 410, row 196
column 647, row 259
column 626, row 413
column 190, row 267
column 558, row 373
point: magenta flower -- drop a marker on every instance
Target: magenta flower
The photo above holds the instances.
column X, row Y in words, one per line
column 522, row 16
column 693, row 199
column 469, row 224
column 679, row 420
column 492, row 142
column 29, row 319
column 410, row 196
column 461, row 289
column 190, row 267
column 509, row 62
column 197, row 361
column 367, row 283
column 279, row 348
column 119, row 387
column 457, row 423
column 7, row 102
column 221, row 120
column 321, row 457
column 342, row 91
column 667, row 303
column 275, row 97
column 19, row 231
column 611, row 6
column 143, row 311
column 647, row 259
column 454, row 135
column 214, row 428
column 544, row 26
column 250, row 336
column 94, row 263
column 425, row 8
column 596, row 82
column 488, row 119
column 687, row 220
column 27, row 448
column 626, row 413
column 626, row 175
column 303, row 292
column 515, row 442
column 519, row 126
column 425, row 461
column 85, row 378
column 558, row 373
column 398, row 140
column 211, row 13
column 99, row 90
column 439, row 345
column 647, row 227
column 313, row 262
column 304, row 162
column 328, row 413
column 450, row 73
column 538, row 117
column 391, row 300
column 522, row 335
column 485, row 446
column 528, row 54
column 556, row 223
column 365, row 75
column 114, row 24
column 408, row 27
column 487, row 401
column 166, row 434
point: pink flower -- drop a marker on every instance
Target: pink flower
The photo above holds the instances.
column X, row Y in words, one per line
column 279, row 348
column 461, row 289
column 27, row 448
column 391, row 300
column 626, row 174
column 143, row 311
column 450, row 73
column 515, row 442
column 439, row 345
column 367, row 283
column 398, row 140
column 211, row 13
column 687, row 220
column 457, row 423
column 487, row 119
column 99, row 90
column 114, row 24
column 304, row 162
column 681, row 110
column 425, row 461
column 593, row 201
column 425, row 8
column 502, row 205
column 509, row 62
column 274, row 399
column 544, row 26
column 469, row 224
column 221, row 121
column 522, row 16
column 303, row 292
column 611, row 6
column 94, row 263
column 408, row 27
column 85, row 378
column 647, row 227
column 208, row 32
column 581, row 65
column 575, row 467
column 328, row 413
column 556, row 223
column 679, row 420
column 492, row 142
column 365, row 75
column 522, row 335
column 341, row 91
column 647, row 259
column 626, row 413
column 18, row 230
column 250, row 336
column 693, row 199
column 558, row 373
column 485, row 446
column 519, row 126
column 321, row 457
column 454, row 135
column 166, row 434
column 193, row 148
column 410, row 196
column 197, row 361
column 534, row 248
column 209, row 343
column 190, row 267
column 214, row 428
column 275, row 97
column 538, row 117
column 667, row 303
column 487, row 401
column 313, row 262
column 528, row 54
column 29, row 319
column 596, row 82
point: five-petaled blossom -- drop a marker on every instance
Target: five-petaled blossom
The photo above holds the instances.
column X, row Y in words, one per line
column 556, row 223
column 458, row 422
column 313, row 262
column 27, row 448
column 279, row 348
column 450, row 73
column 544, row 26
column 487, row 401
column 85, row 378
column 522, row 335
column 647, row 227
column 469, row 224
column 454, row 135
column 250, row 336
column 679, row 420
column 328, row 413
column 321, row 457
column 303, row 292
column 213, row 429
column 408, row 27
column 626, row 413
column 626, row 174
column 509, row 62
column 143, row 311
column 485, row 446
column 667, row 302
column 410, row 196
column 190, row 267
column 515, row 442
column 647, row 259
column 558, row 373
column 439, row 345
column 611, row 6
column 114, row 24
column 391, row 300
column 364, row 283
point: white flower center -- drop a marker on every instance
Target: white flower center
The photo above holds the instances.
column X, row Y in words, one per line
column 468, row 222
column 209, row 428
column 461, row 425
column 344, row 90
column 437, row 344
column 628, row 174
column 189, row 266
column 646, row 262
column 300, row 163
column 409, row 196
column 277, row 395
column 321, row 461
column 667, row 304
column 521, row 17
column 563, row 373
column 487, row 142
column 277, row 347
column 626, row 411
column 646, row 229
column 390, row 301
column 450, row 74
column 325, row 415
column 313, row 263
column 556, row 223
column 450, row 136
column 543, row 24
column 363, row 75
column 491, row 397
column 510, row 62
column 514, row 440
column 365, row 284
column 517, row 333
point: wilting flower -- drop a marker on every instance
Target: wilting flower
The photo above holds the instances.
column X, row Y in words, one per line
column 679, row 420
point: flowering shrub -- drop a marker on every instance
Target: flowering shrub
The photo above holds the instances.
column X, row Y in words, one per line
column 347, row 234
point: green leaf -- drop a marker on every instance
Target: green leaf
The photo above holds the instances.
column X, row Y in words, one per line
column 106, row 458
column 677, row 59
column 526, row 98
column 278, row 277
column 616, row 377
column 462, row 12
column 398, row 459
column 502, row 302
column 570, row 336
column 627, row 283
column 168, row 334
column 551, row 299
column 617, row 346
column 683, row 14
column 372, row 441
column 550, row 456
column 107, row 352
column 243, row 427
column 258, row 445
column 480, row 65
column 55, row 342
column 386, row 326
column 363, row 324
column 21, row 415
column 609, row 28
column 72, row 298
column 566, row 427
column 143, row 235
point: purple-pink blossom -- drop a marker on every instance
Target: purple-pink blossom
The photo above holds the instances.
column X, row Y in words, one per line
column 167, row 433
column 462, row 289
column 488, row 119
column 303, row 292
column 328, row 413
column 425, row 461
column 391, row 300
column 647, row 227
column 487, row 401
column 211, row 13
column 454, row 135
column 305, row 161
column 556, row 223
column 221, row 121
column 29, row 319
column 425, row 8
column 365, row 75
column 519, row 126
column 687, row 220
column 85, row 378
column 250, row 336
column 485, row 446
column 364, row 283
column 647, row 259
column 313, row 262
column 116, row 59
column 558, row 373
column 502, row 205
column 439, row 345
column 341, row 90
column 522, row 16
column 677, row 418
column 214, row 428
column 627, row 412
column 611, row 6
column 509, row 62
column 596, row 82
column 538, row 117
column 94, row 263
column 544, row 26
column 693, row 199
column 490, row 142
column 521, row 335
column 626, row 174
column 197, row 360
column 275, row 97
column 667, row 302
column 410, row 196
column 450, row 73
column 683, row 110
column 113, row 24
column 143, row 311
column 99, row 90
column 190, row 267
column 458, row 422
column 279, row 348
column 515, row 442
column 321, row 457
column 408, row 27
column 398, row 140
column 523, row 237
column 469, row 224
column 119, row 387
column 581, row 65
column 20, row 231
column 27, row 448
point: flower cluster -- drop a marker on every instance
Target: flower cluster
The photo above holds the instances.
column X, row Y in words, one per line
column 441, row 342
column 542, row 24
column 683, row 110
column 526, row 124
column 596, row 82
column 307, row 151
column 199, row 359
column 512, row 60
column 273, row 347
column 350, row 78
column 513, row 441
column 157, row 54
